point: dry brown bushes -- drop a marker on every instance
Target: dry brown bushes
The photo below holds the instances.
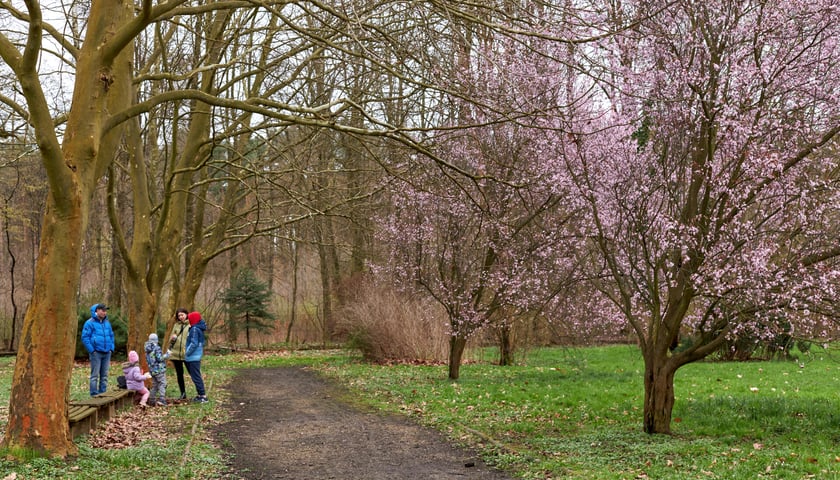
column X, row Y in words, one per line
column 388, row 325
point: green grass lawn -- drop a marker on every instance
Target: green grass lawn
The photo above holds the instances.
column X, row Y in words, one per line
column 576, row 413
column 563, row 413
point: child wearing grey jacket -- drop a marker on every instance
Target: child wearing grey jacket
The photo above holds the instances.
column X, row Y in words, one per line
column 156, row 360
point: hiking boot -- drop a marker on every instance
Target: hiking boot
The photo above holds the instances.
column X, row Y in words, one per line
column 200, row 399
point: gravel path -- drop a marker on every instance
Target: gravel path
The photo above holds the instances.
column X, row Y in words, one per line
column 288, row 423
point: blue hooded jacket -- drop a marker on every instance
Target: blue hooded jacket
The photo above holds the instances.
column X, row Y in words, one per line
column 195, row 340
column 97, row 335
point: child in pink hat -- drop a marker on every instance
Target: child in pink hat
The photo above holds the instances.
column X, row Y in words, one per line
column 134, row 378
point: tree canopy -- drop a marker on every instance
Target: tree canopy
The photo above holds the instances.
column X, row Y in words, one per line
column 665, row 166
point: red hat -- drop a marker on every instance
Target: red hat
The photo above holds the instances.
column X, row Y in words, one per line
column 194, row 318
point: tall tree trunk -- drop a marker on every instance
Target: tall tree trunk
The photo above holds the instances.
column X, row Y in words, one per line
column 41, row 382
column 360, row 181
column 12, row 263
column 359, row 242
column 40, row 393
column 115, row 286
column 207, row 245
column 335, row 263
column 294, row 294
column 659, row 394
column 456, row 353
column 504, row 333
column 184, row 207
column 230, row 319
column 142, row 308
column 326, row 284
column 660, row 365
column 141, row 275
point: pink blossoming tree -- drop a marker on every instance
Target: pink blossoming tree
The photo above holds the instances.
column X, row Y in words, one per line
column 707, row 164
column 481, row 229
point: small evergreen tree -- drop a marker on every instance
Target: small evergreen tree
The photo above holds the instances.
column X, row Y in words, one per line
column 247, row 300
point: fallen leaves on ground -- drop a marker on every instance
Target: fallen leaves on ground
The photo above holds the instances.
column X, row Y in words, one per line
column 249, row 356
column 131, row 427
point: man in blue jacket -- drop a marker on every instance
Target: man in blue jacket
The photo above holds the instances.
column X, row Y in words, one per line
column 98, row 339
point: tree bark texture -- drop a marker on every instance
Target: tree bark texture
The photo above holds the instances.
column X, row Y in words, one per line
column 294, row 294
column 41, row 382
column 659, row 395
column 456, row 354
column 142, row 312
column 506, row 349
column 326, row 284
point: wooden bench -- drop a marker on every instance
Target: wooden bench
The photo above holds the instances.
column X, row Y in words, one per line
column 117, row 400
column 107, row 403
column 82, row 418
column 85, row 414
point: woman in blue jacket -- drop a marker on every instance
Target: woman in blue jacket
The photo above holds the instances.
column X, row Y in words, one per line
column 98, row 339
column 193, row 353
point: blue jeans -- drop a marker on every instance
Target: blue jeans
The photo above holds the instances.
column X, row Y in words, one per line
column 100, row 363
column 194, row 369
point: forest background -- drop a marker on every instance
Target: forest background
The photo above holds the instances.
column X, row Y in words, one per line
column 563, row 171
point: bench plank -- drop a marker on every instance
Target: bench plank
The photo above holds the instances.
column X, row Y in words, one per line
column 78, row 412
column 108, row 403
column 104, row 398
column 83, row 419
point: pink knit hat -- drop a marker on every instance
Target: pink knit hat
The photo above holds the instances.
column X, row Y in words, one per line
column 132, row 357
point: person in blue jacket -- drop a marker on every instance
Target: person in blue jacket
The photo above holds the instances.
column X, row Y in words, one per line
column 98, row 339
column 193, row 353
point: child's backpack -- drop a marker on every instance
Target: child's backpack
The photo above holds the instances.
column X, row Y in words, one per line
column 121, row 382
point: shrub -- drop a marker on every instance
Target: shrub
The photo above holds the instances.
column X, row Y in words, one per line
column 386, row 325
